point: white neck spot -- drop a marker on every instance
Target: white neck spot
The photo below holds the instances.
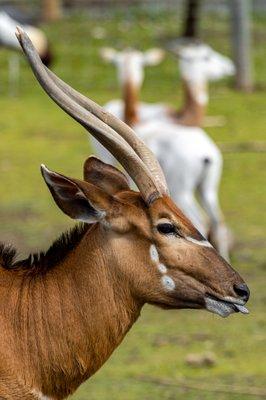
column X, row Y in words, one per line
column 167, row 282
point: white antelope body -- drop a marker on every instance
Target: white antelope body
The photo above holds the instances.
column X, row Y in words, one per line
column 190, row 160
column 8, row 39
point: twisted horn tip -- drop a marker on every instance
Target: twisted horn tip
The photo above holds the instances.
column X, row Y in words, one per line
column 19, row 33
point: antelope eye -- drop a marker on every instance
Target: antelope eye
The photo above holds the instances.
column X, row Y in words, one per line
column 166, row 229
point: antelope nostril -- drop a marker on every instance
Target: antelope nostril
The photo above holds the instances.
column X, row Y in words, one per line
column 242, row 290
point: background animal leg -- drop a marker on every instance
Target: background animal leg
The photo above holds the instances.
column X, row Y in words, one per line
column 218, row 234
column 190, row 207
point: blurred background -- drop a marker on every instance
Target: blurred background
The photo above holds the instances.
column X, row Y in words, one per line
column 167, row 355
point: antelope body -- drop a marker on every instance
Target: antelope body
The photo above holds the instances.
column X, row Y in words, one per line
column 64, row 312
column 191, row 161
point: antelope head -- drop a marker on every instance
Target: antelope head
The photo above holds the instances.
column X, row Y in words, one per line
column 198, row 62
column 154, row 249
column 130, row 63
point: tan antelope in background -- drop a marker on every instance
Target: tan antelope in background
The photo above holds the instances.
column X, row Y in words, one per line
column 63, row 312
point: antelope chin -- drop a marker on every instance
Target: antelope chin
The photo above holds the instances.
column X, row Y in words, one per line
column 223, row 307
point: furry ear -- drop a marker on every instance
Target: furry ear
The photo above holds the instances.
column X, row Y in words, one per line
column 105, row 176
column 79, row 200
column 108, row 54
column 153, row 56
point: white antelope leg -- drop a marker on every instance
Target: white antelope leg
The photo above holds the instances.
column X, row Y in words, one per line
column 186, row 200
column 102, row 153
column 182, row 168
column 208, row 192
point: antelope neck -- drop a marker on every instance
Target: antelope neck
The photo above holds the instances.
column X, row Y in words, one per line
column 195, row 102
column 131, row 105
column 63, row 325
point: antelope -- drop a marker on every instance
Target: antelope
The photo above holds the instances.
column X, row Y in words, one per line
column 190, row 160
column 65, row 311
column 198, row 64
column 130, row 65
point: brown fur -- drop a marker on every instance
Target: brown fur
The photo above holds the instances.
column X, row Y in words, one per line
column 104, row 176
column 130, row 103
column 60, row 324
column 193, row 113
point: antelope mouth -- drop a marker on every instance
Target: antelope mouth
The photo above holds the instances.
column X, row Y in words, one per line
column 224, row 307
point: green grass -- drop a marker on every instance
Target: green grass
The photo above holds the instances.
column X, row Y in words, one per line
column 33, row 130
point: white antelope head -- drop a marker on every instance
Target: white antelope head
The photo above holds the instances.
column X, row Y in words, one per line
column 130, row 63
column 199, row 64
column 152, row 248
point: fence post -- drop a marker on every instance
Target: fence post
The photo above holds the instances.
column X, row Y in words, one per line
column 191, row 19
column 241, row 42
column 51, row 10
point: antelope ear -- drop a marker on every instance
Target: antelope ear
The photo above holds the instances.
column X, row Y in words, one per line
column 79, row 200
column 105, row 176
column 153, row 56
column 108, row 54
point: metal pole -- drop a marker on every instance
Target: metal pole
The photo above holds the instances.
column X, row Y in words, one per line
column 241, row 42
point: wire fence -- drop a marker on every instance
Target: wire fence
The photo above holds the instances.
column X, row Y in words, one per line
column 68, row 6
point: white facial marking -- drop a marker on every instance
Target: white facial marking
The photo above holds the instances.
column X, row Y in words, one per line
column 168, row 282
column 154, row 253
column 162, row 268
column 203, row 243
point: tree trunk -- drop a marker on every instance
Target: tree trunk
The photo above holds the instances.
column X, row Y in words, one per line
column 241, row 41
column 51, row 10
column 191, row 19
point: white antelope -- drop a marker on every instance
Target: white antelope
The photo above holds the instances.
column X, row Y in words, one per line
column 8, row 39
column 63, row 312
column 190, row 160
